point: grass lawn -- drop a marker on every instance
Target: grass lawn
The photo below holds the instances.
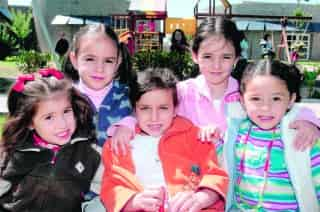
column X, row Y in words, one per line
column 8, row 70
column 2, row 119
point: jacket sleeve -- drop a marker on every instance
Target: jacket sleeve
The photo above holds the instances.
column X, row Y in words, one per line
column 118, row 184
column 305, row 114
column 128, row 121
column 212, row 176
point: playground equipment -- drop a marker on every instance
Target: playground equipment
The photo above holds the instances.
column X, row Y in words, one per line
column 142, row 30
column 228, row 13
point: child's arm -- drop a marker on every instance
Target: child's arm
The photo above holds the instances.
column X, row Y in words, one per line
column 118, row 182
column 122, row 132
column 307, row 126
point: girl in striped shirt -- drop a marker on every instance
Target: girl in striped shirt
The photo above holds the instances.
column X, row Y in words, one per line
column 266, row 172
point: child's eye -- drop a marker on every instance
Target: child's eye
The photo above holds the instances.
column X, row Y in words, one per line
column 228, row 57
column 88, row 59
column 276, row 98
column 143, row 108
column 110, row 61
column 48, row 118
column 69, row 110
column 255, row 99
column 164, row 107
column 206, row 56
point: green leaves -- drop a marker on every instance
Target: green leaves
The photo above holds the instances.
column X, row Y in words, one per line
column 180, row 64
column 31, row 61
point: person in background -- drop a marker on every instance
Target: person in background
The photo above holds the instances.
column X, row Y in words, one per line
column 267, row 47
column 61, row 48
column 243, row 60
column 47, row 140
column 179, row 42
column 167, row 168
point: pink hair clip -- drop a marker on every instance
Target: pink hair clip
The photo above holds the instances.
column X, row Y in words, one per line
column 48, row 72
column 20, row 82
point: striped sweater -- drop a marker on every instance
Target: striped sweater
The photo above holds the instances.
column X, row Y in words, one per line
column 279, row 193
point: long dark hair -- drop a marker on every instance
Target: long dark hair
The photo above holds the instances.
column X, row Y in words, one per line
column 217, row 26
column 289, row 74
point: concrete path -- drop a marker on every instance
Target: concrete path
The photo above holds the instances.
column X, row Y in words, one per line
column 3, row 104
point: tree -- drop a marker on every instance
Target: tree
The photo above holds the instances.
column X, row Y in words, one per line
column 20, row 26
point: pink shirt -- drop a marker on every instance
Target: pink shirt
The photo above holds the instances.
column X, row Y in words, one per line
column 196, row 104
column 95, row 96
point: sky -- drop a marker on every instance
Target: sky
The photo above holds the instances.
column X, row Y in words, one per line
column 175, row 8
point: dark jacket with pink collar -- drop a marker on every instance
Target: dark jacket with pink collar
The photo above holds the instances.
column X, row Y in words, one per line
column 49, row 182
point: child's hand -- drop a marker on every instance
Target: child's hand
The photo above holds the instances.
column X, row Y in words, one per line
column 148, row 200
column 120, row 140
column 193, row 201
column 307, row 134
column 209, row 133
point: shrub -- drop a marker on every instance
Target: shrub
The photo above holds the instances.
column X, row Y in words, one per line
column 309, row 80
column 181, row 64
column 30, row 61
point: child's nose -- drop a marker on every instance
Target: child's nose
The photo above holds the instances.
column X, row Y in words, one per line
column 154, row 115
column 63, row 123
column 266, row 105
column 216, row 64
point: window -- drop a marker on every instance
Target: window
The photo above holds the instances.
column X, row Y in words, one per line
column 305, row 38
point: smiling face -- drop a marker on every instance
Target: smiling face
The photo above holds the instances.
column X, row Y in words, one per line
column 155, row 111
column 266, row 100
column 54, row 120
column 96, row 60
column 215, row 57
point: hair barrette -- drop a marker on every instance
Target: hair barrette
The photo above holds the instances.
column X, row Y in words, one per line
column 21, row 81
column 48, row 72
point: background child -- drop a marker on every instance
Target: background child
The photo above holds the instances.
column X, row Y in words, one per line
column 104, row 69
column 268, row 174
column 165, row 154
column 50, row 161
column 179, row 42
column 212, row 97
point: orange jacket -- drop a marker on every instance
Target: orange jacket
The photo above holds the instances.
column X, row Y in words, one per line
column 187, row 164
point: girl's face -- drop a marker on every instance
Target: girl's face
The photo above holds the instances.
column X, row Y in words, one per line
column 266, row 100
column 54, row 120
column 97, row 60
column 216, row 57
column 155, row 111
column 177, row 36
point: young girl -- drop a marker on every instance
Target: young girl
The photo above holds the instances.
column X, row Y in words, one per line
column 209, row 99
column 104, row 76
column 166, row 157
column 49, row 156
column 267, row 173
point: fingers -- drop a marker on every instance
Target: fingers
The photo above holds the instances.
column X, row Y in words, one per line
column 307, row 134
column 149, row 200
column 120, row 140
column 182, row 201
column 209, row 134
